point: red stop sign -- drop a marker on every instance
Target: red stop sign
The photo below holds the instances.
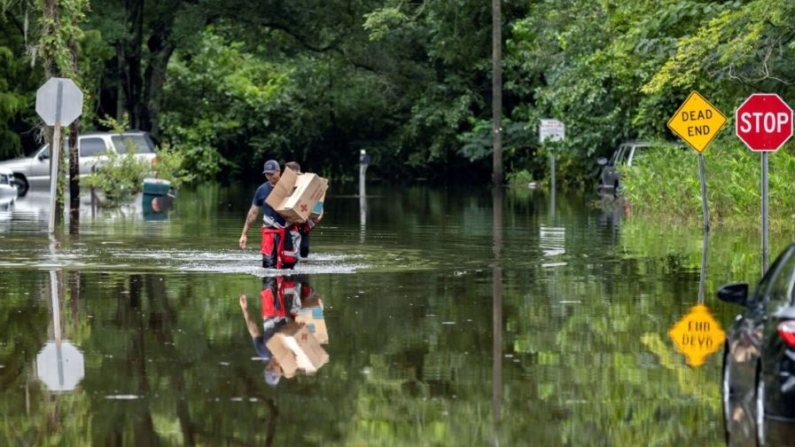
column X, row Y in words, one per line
column 764, row 122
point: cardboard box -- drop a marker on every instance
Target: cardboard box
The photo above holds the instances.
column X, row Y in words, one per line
column 296, row 349
column 295, row 195
column 318, row 209
column 311, row 314
column 283, row 188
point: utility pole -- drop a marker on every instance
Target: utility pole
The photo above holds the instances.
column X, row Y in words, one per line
column 496, row 91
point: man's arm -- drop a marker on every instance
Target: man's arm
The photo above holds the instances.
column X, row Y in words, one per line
column 253, row 213
column 253, row 329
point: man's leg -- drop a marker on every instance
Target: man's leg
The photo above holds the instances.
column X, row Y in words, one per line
column 304, row 244
column 270, row 248
column 289, row 252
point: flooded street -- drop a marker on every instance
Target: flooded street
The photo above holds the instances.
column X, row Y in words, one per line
column 449, row 322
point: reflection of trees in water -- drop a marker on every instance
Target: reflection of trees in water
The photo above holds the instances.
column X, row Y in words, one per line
column 32, row 416
column 602, row 363
column 139, row 347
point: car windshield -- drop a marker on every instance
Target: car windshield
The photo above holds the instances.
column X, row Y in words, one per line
column 778, row 283
column 133, row 143
column 620, row 156
column 45, row 153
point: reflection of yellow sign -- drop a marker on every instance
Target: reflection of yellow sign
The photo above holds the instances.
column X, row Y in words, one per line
column 697, row 122
column 697, row 335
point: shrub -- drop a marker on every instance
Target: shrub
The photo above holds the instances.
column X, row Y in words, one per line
column 122, row 176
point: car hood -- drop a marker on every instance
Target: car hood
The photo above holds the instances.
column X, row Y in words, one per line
column 15, row 163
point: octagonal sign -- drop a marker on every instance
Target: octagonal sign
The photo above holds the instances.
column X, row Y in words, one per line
column 764, row 122
column 59, row 100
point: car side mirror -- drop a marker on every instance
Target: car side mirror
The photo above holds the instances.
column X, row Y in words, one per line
column 601, row 161
column 44, row 156
column 734, row 294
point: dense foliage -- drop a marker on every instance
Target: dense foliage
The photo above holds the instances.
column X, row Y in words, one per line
column 410, row 82
column 665, row 184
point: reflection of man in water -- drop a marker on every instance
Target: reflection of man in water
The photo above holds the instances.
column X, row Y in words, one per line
column 280, row 302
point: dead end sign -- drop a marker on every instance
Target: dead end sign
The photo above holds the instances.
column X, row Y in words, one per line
column 697, row 121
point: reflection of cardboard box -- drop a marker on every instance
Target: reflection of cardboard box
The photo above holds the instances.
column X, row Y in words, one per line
column 295, row 195
column 311, row 314
column 296, row 349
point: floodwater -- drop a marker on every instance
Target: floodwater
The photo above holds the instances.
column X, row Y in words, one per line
column 540, row 322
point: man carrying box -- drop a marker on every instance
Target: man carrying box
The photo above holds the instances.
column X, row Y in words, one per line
column 276, row 251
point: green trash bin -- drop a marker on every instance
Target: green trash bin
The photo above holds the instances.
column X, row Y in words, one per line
column 156, row 198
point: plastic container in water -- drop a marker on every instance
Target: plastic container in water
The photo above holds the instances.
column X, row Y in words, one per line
column 156, row 197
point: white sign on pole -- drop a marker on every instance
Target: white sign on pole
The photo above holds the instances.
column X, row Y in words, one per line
column 58, row 102
column 552, row 130
column 48, row 102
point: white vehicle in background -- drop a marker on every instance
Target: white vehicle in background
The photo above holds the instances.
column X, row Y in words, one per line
column 8, row 194
column 34, row 171
column 8, row 190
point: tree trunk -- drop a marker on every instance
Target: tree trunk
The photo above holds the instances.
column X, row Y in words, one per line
column 496, row 91
column 74, row 160
column 133, row 82
column 161, row 50
column 74, row 180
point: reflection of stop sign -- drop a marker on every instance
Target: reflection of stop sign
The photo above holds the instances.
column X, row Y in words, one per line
column 764, row 122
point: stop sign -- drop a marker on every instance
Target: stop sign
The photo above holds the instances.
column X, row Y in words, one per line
column 764, row 122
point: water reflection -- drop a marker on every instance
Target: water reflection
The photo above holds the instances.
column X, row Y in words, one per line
column 293, row 328
column 35, row 206
column 447, row 329
column 497, row 324
column 740, row 414
column 6, row 208
column 60, row 364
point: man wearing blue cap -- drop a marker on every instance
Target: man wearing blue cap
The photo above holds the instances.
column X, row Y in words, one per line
column 272, row 222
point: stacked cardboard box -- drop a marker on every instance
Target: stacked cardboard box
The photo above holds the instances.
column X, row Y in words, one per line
column 295, row 196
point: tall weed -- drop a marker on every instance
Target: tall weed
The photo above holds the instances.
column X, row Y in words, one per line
column 666, row 186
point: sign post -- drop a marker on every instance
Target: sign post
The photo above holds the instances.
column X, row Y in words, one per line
column 764, row 124
column 552, row 130
column 698, row 122
column 58, row 102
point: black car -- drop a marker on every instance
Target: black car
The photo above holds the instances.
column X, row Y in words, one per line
column 759, row 356
column 627, row 154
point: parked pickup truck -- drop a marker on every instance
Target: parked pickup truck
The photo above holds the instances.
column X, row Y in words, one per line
column 34, row 171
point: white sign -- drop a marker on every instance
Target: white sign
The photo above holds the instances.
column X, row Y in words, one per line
column 62, row 367
column 552, row 130
column 59, row 100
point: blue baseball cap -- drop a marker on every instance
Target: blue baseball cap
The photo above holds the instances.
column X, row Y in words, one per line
column 271, row 167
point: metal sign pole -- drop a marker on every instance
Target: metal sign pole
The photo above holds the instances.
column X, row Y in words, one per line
column 764, row 212
column 55, row 157
column 552, row 185
column 703, row 177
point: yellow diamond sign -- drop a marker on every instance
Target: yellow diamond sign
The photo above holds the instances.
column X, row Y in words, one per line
column 697, row 122
column 697, row 335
